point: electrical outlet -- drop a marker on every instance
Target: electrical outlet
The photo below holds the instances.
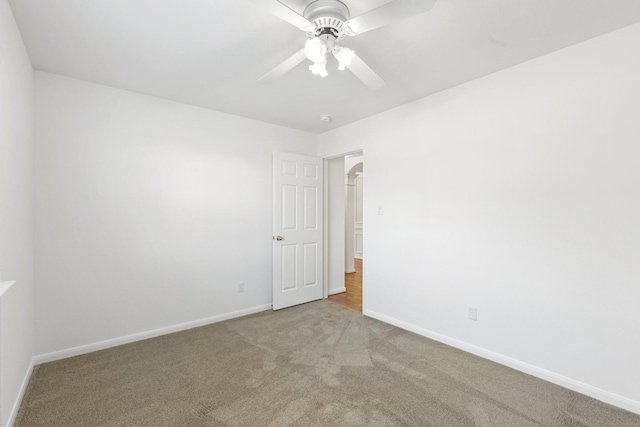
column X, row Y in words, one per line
column 473, row 313
column 240, row 287
column 380, row 210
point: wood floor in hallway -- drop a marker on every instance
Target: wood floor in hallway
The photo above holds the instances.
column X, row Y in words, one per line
column 352, row 298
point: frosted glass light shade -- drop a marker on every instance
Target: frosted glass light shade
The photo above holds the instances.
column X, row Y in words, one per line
column 344, row 55
column 316, row 50
column 319, row 68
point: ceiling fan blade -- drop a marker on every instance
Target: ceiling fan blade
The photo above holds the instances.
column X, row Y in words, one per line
column 286, row 66
column 393, row 11
column 285, row 13
column 365, row 73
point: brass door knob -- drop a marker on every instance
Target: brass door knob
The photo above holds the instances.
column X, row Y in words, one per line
column 278, row 238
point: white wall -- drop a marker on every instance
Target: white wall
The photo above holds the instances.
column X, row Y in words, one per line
column 518, row 194
column 16, row 214
column 148, row 212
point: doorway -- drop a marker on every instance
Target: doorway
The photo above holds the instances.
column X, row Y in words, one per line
column 346, row 229
column 352, row 296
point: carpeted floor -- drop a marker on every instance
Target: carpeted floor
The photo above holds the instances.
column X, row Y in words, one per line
column 318, row 364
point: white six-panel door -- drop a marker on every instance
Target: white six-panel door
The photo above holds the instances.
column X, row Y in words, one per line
column 297, row 229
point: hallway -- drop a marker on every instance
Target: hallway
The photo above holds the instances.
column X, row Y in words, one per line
column 352, row 298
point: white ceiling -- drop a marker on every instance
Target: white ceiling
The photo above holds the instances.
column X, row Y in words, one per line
column 210, row 53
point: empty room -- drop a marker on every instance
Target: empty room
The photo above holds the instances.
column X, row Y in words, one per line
column 320, row 213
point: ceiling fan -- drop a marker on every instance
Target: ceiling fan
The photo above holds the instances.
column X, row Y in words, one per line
column 326, row 23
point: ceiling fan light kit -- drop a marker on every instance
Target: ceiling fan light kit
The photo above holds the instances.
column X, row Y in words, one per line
column 316, row 51
column 327, row 22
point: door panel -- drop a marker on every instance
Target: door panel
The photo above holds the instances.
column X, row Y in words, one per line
column 310, row 264
column 310, row 208
column 297, row 229
column 289, row 204
column 289, row 263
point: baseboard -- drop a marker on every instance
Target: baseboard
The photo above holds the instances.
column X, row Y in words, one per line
column 351, row 270
column 337, row 291
column 88, row 348
column 23, row 389
column 569, row 383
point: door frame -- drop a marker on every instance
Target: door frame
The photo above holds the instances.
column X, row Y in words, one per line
column 325, row 220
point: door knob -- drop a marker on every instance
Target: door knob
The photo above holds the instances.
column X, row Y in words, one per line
column 278, row 238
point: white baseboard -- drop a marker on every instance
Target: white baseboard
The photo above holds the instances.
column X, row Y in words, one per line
column 337, row 291
column 561, row 380
column 88, row 348
column 351, row 270
column 23, row 388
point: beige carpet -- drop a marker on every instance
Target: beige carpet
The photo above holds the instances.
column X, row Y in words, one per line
column 318, row 364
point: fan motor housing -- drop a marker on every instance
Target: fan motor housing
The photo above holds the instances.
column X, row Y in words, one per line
column 329, row 17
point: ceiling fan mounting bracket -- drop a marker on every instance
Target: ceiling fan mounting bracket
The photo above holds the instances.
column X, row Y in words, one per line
column 329, row 17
